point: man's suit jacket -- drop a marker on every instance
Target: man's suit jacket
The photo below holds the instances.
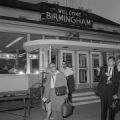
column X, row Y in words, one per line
column 114, row 79
column 119, row 84
column 60, row 81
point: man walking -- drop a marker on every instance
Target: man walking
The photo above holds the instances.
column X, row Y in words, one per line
column 55, row 79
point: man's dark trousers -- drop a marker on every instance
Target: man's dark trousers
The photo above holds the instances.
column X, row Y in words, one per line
column 106, row 102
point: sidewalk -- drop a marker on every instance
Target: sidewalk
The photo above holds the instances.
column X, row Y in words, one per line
column 83, row 112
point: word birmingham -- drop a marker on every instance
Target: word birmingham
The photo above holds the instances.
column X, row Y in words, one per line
column 63, row 18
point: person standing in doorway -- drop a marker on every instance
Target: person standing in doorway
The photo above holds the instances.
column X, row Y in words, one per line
column 68, row 72
column 55, row 79
column 109, row 90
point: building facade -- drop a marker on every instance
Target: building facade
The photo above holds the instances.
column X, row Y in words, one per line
column 52, row 33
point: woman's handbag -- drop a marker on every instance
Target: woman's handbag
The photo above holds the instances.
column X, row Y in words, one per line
column 67, row 108
column 60, row 90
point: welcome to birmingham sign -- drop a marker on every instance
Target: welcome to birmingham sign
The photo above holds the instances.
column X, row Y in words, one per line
column 64, row 16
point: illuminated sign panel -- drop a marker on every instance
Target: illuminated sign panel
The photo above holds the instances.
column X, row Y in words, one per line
column 7, row 56
column 67, row 17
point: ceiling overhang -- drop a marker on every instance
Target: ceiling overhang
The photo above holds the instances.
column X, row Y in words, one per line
column 71, row 45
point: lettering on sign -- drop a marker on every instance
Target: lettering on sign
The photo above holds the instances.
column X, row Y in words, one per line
column 68, row 17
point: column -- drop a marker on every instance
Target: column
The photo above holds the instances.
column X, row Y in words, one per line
column 28, row 58
column 40, row 60
column 50, row 54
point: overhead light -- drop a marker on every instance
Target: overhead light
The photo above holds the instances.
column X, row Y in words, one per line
column 36, row 72
column 13, row 42
column 95, row 49
column 21, row 72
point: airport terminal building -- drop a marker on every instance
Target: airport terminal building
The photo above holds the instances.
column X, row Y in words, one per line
column 33, row 35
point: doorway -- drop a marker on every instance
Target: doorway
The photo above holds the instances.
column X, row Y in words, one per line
column 68, row 57
column 83, row 68
column 96, row 61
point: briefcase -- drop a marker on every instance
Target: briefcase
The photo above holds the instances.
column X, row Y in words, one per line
column 116, row 105
column 67, row 108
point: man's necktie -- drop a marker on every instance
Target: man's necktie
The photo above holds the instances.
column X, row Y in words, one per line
column 109, row 74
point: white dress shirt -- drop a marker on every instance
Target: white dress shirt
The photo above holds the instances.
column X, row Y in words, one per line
column 110, row 71
column 68, row 71
column 53, row 79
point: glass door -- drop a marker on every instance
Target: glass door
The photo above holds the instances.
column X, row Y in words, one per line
column 82, row 67
column 68, row 57
column 95, row 62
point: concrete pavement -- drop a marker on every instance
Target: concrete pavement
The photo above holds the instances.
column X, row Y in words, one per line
column 82, row 112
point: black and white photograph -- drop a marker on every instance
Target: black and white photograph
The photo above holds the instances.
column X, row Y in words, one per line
column 59, row 59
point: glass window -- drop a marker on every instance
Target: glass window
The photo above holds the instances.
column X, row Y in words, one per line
column 35, row 36
column 34, row 62
column 82, row 68
column 63, row 38
column 12, row 55
column 82, row 61
column 67, row 57
column 54, row 56
column 50, row 37
column 95, row 64
column 83, row 76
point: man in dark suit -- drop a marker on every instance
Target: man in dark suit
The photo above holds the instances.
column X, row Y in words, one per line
column 109, row 81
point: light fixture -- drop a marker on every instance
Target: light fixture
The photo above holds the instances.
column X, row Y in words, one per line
column 65, row 47
column 21, row 72
column 95, row 49
column 13, row 42
column 36, row 72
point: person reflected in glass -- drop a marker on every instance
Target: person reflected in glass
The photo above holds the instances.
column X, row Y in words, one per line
column 5, row 70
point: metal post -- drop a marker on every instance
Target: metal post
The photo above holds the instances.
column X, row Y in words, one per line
column 41, row 73
column 28, row 58
column 16, row 61
column 40, row 60
column 50, row 54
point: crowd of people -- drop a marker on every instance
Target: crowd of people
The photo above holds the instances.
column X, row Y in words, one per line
column 109, row 77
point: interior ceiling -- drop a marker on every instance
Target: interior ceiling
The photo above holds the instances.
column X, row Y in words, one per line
column 7, row 37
